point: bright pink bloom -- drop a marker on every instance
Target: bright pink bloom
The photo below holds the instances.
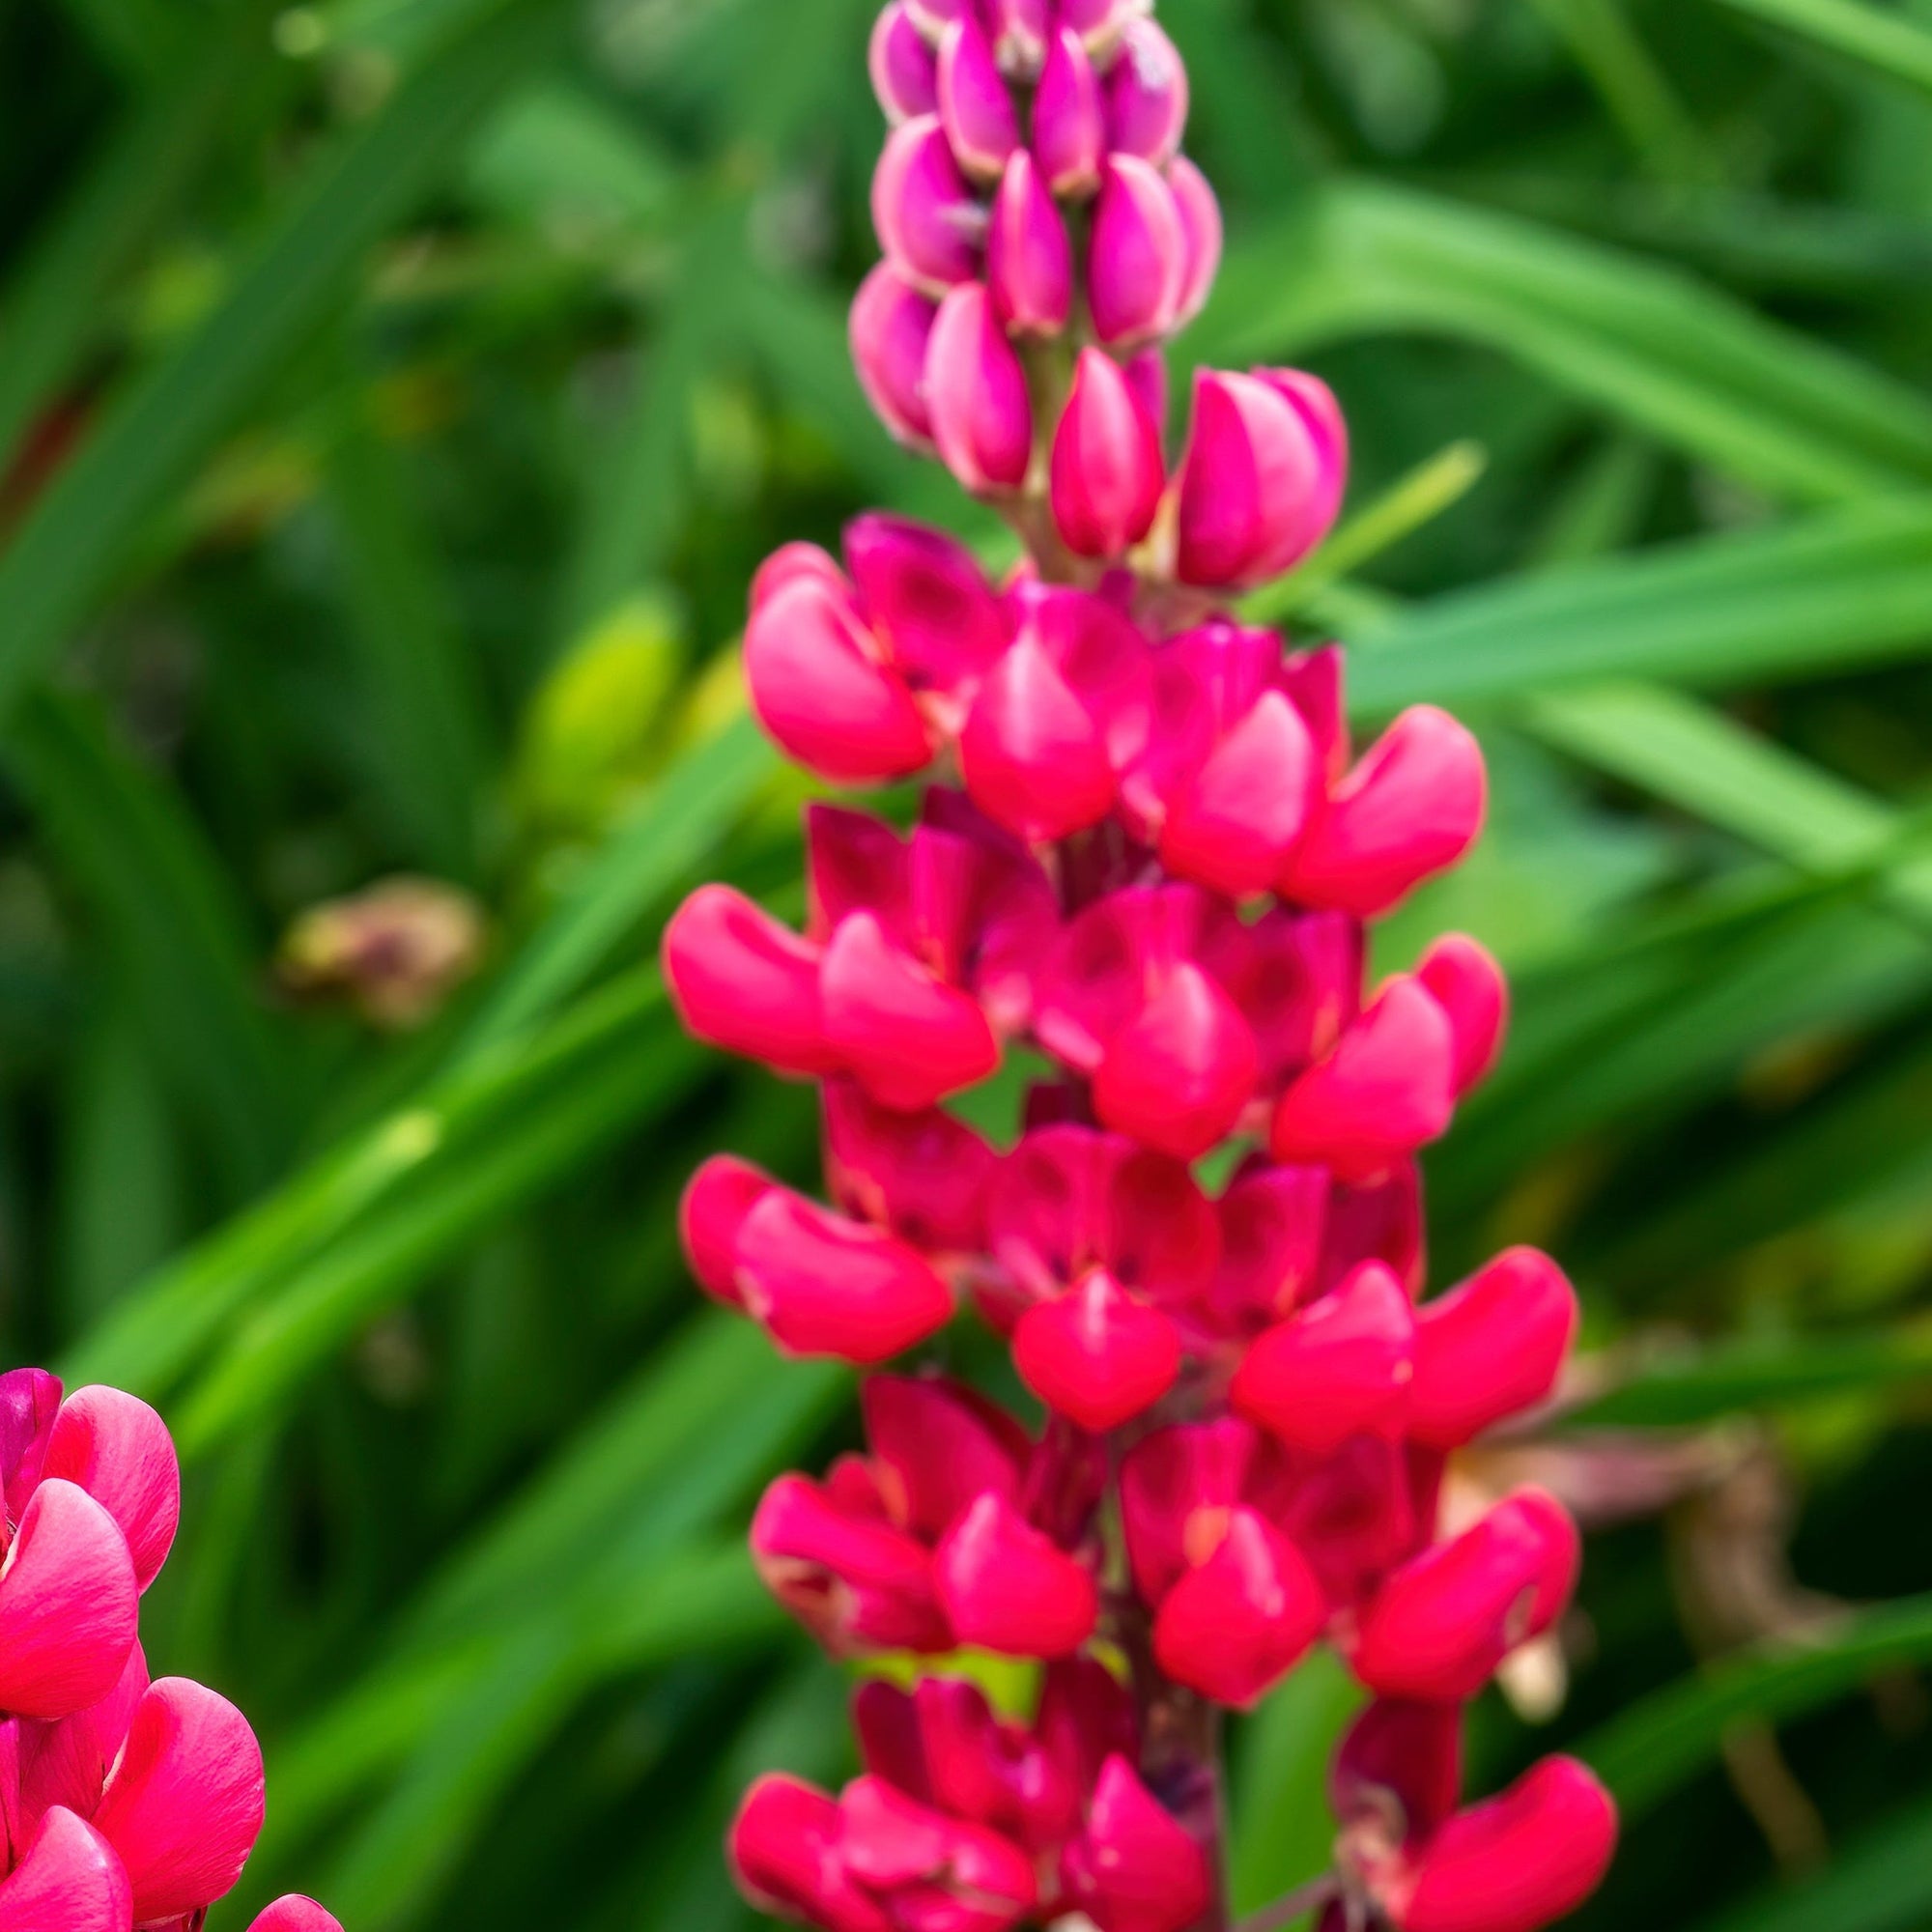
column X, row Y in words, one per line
column 296, row 1913
column 68, row 1880
column 1029, row 257
column 1437, row 1626
column 1147, row 96
column 928, row 222
column 1511, row 1863
column 975, row 107
column 1468, row 986
column 1107, row 470
column 1138, row 257
column 976, row 393
column 904, row 72
column 1069, row 127
column 891, row 333
column 1135, row 1868
column 1262, row 477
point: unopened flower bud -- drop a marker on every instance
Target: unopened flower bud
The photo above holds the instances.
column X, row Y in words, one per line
column 1137, row 259
column 927, row 221
column 1263, row 476
column 1147, row 96
column 1201, row 226
column 974, row 106
column 1107, row 471
column 1021, row 30
column 891, row 330
column 976, row 392
column 1095, row 1355
column 1029, row 257
column 905, row 75
column 1070, row 126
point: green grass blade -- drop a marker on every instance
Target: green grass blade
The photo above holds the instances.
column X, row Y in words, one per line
column 1886, row 43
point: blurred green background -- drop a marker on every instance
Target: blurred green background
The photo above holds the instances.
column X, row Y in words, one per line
column 396, row 396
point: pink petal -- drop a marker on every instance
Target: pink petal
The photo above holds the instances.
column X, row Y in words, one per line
column 1096, row 1355
column 1179, row 1075
column 70, row 1881
column 940, row 1446
column 855, row 863
column 1135, row 1868
column 1232, row 825
column 716, row 1201
column 921, row 1176
column 905, row 73
column 1234, row 1625
column 1201, row 226
column 1070, row 134
column 1177, row 1488
column 926, row 599
column 66, row 1763
column 117, row 1449
column 1468, row 986
column 184, row 1807
column 976, row 389
column 1137, row 255
column 743, row 981
column 29, row 1401
column 825, row 1286
column 1107, row 466
column 891, row 330
column 1007, row 1588
column 1033, row 756
column 296, row 1913
column 1491, row 1348
column 927, row 221
column 68, row 1606
column 1147, row 96
column 1410, row 1754
column 785, row 1847
column 975, row 107
column 1272, row 1220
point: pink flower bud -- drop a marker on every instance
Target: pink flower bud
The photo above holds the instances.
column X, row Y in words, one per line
column 1006, row 1587
column 743, row 981
column 927, row 221
column 1029, row 259
column 1385, row 1091
column 1135, row 1868
column 1262, row 479
column 822, row 695
column 68, row 1880
column 716, row 1201
column 1177, row 1077
column 1069, row 128
column 1232, row 824
column 908, row 1037
column 1236, row 1623
column 296, row 1913
column 68, row 1605
column 1410, row 808
column 785, row 1847
column 1137, row 256
column 926, row 599
column 976, row 392
column 1107, row 468
column 1020, row 30
column 1439, row 1625
column 1147, row 96
column 1489, row 1347
column 1518, row 1861
column 1340, row 1367
column 1032, row 756
column 856, row 1581
column 905, row 76
column 1096, row 1355
column 1201, row 226
column 956, row 1874
column 825, row 1286
column 891, row 330
column 1468, row 986
column 975, row 107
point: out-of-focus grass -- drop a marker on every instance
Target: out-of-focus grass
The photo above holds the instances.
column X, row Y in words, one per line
column 397, row 395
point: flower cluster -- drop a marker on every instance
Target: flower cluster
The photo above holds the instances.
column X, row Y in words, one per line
column 123, row 1802
column 1146, row 852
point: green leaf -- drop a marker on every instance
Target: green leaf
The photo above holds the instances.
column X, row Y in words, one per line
column 1885, row 41
column 1652, row 1750
column 1880, row 1881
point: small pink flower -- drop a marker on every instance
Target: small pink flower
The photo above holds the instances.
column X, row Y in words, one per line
column 1069, row 129
column 1029, row 257
column 928, row 222
column 1147, row 96
column 1137, row 256
column 1135, row 1868
column 976, row 391
column 1468, row 985
column 890, row 331
column 975, row 107
column 1107, row 470
column 1200, row 229
column 904, row 72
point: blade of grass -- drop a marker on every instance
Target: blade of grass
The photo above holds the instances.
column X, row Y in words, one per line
column 1886, row 43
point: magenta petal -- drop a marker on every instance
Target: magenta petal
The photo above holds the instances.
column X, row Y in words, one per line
column 1033, row 756
column 70, row 1881
column 945, row 1446
column 1412, row 806
column 922, row 1177
column 1029, row 257
column 825, row 1286
column 29, row 1401
column 117, row 1449
column 68, row 1606
column 890, row 331
column 1096, row 1355
column 905, row 76
column 926, row 599
column 1272, row 1224
column 975, row 107
column 1008, row 1588
column 1201, row 230
column 184, row 1807
column 927, row 221
column 1177, row 1077
column 1137, row 256
column 745, row 982
column 785, row 1853
column 1342, row 1365
column 1235, row 1624
column 822, row 693
column 1402, row 1754
column 66, row 1763
column 296, row 1913
column 1069, row 133
column 1491, row 1348
column 1147, row 96
column 1135, row 1868
column 1468, row 986
column 716, row 1202
column 1177, row 1487
column 1234, row 822
column 1107, row 470
column 908, row 1037
column 975, row 390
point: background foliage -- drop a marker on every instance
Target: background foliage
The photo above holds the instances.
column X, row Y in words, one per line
column 398, row 395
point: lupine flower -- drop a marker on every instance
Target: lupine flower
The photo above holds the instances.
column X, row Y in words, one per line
column 1157, row 872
